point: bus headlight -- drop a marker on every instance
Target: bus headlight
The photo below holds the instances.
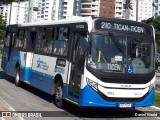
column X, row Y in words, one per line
column 92, row 83
column 151, row 87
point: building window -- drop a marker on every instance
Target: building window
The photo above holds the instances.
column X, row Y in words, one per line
column 156, row 14
column 86, row 6
column 104, row 6
column 110, row 12
column 64, row 3
column 110, row 1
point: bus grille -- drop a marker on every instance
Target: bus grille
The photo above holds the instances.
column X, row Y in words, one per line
column 125, row 80
column 112, row 99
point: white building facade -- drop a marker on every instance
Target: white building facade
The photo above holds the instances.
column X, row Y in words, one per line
column 14, row 13
column 65, row 8
column 145, row 10
column 119, row 8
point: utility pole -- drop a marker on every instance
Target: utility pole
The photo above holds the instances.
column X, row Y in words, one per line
column 10, row 13
column 29, row 10
column 136, row 10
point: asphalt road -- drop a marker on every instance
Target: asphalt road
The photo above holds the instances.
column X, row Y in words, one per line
column 27, row 98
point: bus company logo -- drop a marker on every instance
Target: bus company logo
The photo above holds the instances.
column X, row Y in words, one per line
column 41, row 64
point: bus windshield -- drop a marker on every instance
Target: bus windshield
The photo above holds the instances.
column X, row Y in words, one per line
column 110, row 53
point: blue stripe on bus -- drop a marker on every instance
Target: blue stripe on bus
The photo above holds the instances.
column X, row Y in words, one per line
column 40, row 73
column 88, row 97
column 42, row 81
column 15, row 58
column 25, row 73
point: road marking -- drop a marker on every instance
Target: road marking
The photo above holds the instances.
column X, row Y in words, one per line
column 10, row 108
column 157, row 117
column 1, row 118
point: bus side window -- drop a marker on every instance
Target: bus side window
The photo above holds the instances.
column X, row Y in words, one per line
column 7, row 38
column 61, row 43
column 32, row 41
column 38, row 41
column 20, row 41
column 47, row 41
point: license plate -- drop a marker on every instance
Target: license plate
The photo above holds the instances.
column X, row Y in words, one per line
column 125, row 105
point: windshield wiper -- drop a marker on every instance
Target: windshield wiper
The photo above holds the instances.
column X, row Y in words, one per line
column 115, row 41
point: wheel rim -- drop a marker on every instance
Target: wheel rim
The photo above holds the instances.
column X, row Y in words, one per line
column 58, row 93
column 17, row 77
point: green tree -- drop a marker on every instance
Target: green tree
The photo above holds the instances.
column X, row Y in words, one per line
column 155, row 22
column 128, row 7
column 2, row 27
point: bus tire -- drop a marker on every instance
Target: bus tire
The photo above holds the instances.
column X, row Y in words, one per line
column 17, row 77
column 58, row 99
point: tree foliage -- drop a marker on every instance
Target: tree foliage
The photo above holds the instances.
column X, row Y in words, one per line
column 156, row 24
column 128, row 5
column 2, row 27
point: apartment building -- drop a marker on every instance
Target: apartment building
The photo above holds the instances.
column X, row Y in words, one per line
column 119, row 9
column 32, row 10
column 89, row 8
column 145, row 10
column 13, row 13
column 4, row 12
column 66, row 9
column 107, row 8
column 156, row 9
column 45, row 9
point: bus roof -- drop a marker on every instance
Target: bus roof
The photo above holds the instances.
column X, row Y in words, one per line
column 121, row 20
column 63, row 21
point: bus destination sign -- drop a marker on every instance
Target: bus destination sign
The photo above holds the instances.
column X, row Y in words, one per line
column 109, row 25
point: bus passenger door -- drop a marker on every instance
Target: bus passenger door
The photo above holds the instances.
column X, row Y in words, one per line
column 7, row 51
column 28, row 56
column 77, row 67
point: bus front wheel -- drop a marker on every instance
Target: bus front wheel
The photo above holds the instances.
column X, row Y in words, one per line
column 58, row 100
column 17, row 78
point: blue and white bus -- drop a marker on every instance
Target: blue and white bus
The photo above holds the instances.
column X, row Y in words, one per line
column 90, row 62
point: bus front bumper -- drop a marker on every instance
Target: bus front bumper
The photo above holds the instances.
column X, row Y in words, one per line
column 90, row 98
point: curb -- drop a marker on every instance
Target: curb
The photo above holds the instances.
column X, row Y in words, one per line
column 155, row 107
